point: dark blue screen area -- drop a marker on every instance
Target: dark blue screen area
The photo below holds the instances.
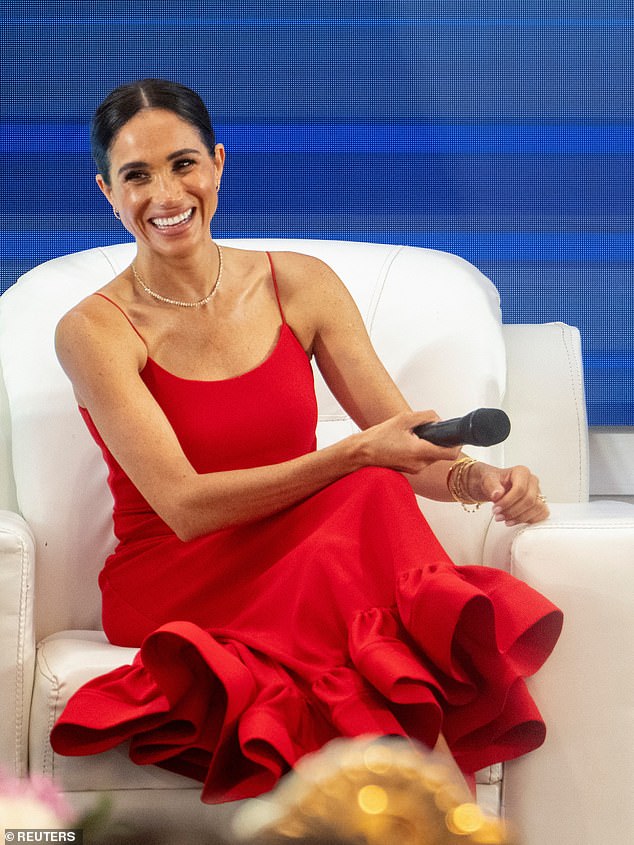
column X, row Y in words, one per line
column 501, row 131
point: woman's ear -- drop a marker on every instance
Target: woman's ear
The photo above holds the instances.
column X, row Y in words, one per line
column 105, row 189
column 219, row 160
column 219, row 154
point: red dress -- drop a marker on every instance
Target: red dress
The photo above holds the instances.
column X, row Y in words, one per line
column 342, row 615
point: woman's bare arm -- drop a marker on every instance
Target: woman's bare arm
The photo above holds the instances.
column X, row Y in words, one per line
column 359, row 381
column 356, row 376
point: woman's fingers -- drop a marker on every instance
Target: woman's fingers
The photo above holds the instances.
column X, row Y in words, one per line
column 392, row 443
column 516, row 495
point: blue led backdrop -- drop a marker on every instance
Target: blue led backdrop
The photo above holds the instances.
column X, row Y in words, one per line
column 503, row 132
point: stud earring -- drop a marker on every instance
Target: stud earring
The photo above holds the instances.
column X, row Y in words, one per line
column 115, row 211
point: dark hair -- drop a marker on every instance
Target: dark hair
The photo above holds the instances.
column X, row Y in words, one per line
column 127, row 100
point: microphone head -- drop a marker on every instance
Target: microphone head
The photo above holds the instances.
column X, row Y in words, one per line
column 487, row 426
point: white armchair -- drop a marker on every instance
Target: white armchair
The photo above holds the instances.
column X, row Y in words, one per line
column 435, row 321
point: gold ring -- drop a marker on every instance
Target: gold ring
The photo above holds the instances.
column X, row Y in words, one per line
column 541, row 498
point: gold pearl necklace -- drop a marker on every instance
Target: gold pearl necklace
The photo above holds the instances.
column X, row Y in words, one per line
column 181, row 304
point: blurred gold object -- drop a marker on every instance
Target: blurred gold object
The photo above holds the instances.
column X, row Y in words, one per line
column 370, row 791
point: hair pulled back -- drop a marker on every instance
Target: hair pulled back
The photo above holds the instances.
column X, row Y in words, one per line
column 127, row 100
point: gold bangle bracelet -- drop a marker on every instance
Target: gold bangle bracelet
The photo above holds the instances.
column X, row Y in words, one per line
column 456, row 478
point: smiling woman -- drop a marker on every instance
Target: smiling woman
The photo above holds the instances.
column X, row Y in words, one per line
column 280, row 595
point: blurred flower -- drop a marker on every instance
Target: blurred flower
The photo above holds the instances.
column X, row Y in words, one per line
column 32, row 802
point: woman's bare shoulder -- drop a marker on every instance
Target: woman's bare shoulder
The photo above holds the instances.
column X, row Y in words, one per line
column 97, row 326
column 299, row 262
column 300, row 277
column 297, row 272
column 93, row 314
column 283, row 260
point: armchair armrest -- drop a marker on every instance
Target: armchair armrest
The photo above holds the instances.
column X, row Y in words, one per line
column 583, row 560
column 17, row 639
column 544, row 370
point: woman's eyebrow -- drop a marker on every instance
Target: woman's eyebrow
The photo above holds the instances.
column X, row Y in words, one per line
column 184, row 151
column 130, row 165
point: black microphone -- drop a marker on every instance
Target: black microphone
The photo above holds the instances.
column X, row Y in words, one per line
column 482, row 427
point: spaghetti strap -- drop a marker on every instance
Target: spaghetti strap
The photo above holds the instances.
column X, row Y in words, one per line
column 277, row 293
column 119, row 308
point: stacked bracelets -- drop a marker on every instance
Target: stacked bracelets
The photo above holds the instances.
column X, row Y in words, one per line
column 456, row 483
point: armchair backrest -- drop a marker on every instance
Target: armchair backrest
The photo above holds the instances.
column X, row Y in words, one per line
column 435, row 322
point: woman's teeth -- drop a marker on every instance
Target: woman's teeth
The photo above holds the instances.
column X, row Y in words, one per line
column 166, row 222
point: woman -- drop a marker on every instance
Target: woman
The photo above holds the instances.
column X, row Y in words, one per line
column 281, row 596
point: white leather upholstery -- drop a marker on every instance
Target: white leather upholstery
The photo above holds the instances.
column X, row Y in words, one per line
column 435, row 321
column 549, row 406
column 580, row 783
column 17, row 639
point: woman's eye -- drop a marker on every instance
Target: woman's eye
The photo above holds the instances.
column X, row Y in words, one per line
column 135, row 176
column 184, row 163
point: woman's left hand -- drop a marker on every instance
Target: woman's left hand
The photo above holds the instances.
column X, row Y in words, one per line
column 514, row 492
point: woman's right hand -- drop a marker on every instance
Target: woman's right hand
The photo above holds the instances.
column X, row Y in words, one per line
column 393, row 444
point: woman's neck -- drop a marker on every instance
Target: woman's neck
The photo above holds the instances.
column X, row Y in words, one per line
column 185, row 277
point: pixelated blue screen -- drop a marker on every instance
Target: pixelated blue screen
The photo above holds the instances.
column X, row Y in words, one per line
column 501, row 131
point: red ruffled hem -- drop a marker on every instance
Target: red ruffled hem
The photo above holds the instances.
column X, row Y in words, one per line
column 450, row 656
column 214, row 711
column 458, row 646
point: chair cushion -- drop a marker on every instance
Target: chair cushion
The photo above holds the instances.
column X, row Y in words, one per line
column 65, row 661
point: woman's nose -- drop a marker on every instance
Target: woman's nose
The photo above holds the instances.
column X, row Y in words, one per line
column 167, row 188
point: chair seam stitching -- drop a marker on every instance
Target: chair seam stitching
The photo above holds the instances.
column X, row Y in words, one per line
column 53, row 697
column 19, row 675
column 380, row 285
